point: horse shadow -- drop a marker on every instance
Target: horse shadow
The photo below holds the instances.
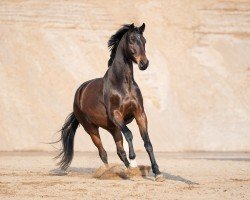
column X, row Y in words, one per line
column 178, row 178
column 72, row 170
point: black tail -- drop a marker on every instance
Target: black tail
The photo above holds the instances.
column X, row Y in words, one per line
column 67, row 137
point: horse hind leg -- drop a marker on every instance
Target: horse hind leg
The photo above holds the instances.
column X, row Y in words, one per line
column 95, row 137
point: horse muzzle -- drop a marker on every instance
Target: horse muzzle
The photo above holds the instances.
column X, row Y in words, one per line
column 143, row 64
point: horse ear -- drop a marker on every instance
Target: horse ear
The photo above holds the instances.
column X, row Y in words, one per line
column 131, row 27
column 142, row 28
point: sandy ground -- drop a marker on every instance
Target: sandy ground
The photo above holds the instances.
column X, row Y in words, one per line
column 33, row 175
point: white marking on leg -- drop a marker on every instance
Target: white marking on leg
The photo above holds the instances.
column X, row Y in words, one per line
column 125, row 145
column 133, row 163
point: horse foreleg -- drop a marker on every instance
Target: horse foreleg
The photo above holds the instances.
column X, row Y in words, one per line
column 141, row 120
column 129, row 138
column 116, row 133
column 118, row 120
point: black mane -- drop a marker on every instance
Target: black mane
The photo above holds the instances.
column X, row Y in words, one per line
column 114, row 41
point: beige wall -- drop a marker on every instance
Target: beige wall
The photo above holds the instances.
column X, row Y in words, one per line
column 196, row 90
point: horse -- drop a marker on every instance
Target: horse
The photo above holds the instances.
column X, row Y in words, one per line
column 112, row 102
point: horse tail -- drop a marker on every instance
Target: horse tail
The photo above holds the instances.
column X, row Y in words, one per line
column 67, row 138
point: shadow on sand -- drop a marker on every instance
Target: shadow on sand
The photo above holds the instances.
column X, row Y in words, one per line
column 178, row 178
column 72, row 170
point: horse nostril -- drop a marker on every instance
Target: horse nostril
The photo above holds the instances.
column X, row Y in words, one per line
column 141, row 62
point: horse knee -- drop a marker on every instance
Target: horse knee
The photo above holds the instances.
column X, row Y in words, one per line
column 127, row 133
column 148, row 146
column 129, row 136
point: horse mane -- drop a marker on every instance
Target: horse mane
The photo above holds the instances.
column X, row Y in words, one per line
column 114, row 42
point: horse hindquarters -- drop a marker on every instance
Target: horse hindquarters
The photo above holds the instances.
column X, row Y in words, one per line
column 89, row 107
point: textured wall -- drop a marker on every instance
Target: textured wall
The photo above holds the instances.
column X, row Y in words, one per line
column 196, row 89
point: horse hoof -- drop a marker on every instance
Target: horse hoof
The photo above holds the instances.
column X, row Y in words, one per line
column 160, row 178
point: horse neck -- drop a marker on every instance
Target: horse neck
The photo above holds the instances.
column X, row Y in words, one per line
column 122, row 68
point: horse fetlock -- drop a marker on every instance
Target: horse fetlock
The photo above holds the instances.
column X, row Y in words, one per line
column 104, row 157
column 148, row 147
column 132, row 155
column 155, row 169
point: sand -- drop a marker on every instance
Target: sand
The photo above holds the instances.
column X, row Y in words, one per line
column 33, row 175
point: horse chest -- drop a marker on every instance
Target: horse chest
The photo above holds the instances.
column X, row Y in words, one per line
column 123, row 100
column 128, row 103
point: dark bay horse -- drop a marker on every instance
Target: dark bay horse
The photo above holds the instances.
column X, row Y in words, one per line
column 112, row 102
